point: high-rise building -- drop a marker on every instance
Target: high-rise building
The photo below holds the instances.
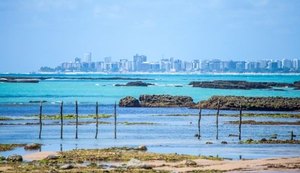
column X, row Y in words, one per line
column 88, row 57
column 287, row 64
column 138, row 60
column 296, row 64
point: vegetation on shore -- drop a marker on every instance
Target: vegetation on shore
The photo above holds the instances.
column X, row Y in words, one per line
column 275, row 115
column 252, row 122
column 122, row 159
column 7, row 147
column 71, row 116
column 269, row 141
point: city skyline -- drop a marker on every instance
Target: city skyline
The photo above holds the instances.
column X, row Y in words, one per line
column 141, row 63
column 46, row 32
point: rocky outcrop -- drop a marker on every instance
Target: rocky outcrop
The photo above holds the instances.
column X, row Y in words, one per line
column 15, row 158
column 33, row 146
column 19, row 80
column 136, row 83
column 297, row 85
column 251, row 103
column 231, row 84
column 129, row 102
column 166, row 101
column 157, row 101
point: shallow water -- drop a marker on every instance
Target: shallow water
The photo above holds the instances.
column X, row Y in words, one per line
column 168, row 134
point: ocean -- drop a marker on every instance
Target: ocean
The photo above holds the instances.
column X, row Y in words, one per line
column 153, row 127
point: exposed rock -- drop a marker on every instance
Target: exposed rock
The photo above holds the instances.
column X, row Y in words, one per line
column 224, row 142
column 129, row 102
column 251, row 103
column 165, row 101
column 233, row 135
column 67, row 166
column 157, row 101
column 142, row 148
column 33, row 146
column 252, row 122
column 52, row 157
column 15, row 158
column 190, row 163
column 19, row 80
column 136, row 83
column 2, row 158
column 232, row 84
column 208, row 142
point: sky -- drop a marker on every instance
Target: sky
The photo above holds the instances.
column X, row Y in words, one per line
column 35, row 33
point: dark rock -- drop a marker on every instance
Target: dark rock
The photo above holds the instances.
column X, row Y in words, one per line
column 166, row 101
column 52, row 157
column 142, row 148
column 136, row 83
column 2, row 158
column 233, row 84
column 129, row 102
column 251, row 103
column 233, row 135
column 196, row 135
column 249, row 141
column 15, row 158
column 263, row 140
column 33, row 146
column 19, row 80
column 274, row 136
column 208, row 142
column 66, row 166
column 224, row 142
column 190, row 163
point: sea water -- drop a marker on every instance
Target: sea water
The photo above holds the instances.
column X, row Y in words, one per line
column 166, row 134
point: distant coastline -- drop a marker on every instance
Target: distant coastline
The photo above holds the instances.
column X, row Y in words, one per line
column 153, row 73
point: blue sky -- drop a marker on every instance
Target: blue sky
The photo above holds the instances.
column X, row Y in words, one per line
column 35, row 33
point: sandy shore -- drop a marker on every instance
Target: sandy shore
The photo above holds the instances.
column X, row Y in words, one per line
column 256, row 165
column 39, row 155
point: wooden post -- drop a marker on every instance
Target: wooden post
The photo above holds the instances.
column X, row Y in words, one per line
column 240, row 123
column 61, row 120
column 217, row 120
column 292, row 135
column 76, row 105
column 97, row 122
column 115, row 116
column 40, row 117
column 199, row 120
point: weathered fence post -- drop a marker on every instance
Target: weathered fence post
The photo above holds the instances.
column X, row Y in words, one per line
column 97, row 122
column 40, row 117
column 61, row 120
column 217, row 120
column 292, row 135
column 199, row 120
column 76, row 105
column 240, row 123
column 115, row 116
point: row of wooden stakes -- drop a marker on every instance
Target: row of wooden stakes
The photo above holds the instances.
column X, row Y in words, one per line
column 115, row 121
column 217, row 122
column 76, row 117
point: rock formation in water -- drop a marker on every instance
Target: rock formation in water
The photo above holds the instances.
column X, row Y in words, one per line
column 157, row 101
column 231, row 84
column 251, row 103
column 136, row 83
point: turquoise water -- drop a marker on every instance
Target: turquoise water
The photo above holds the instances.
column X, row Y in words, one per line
column 105, row 91
column 168, row 134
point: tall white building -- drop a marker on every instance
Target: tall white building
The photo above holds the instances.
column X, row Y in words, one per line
column 88, row 57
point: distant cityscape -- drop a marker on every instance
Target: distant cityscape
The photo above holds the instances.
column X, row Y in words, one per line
column 140, row 63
